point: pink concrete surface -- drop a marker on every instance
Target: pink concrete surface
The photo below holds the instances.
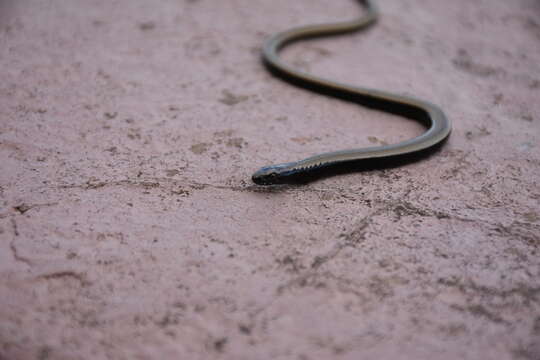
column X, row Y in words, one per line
column 130, row 230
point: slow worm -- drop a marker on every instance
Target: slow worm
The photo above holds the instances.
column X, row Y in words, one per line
column 438, row 126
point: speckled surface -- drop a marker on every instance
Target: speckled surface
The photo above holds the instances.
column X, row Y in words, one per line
column 130, row 230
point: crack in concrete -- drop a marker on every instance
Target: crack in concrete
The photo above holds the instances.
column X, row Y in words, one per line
column 481, row 311
column 530, row 294
column 65, row 274
column 93, row 184
column 525, row 232
column 350, row 239
column 23, row 208
column 405, row 208
column 401, row 208
column 311, row 278
column 358, row 234
column 13, row 248
column 15, row 227
column 16, row 255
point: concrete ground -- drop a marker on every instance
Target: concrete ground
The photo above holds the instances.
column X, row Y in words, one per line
column 130, row 229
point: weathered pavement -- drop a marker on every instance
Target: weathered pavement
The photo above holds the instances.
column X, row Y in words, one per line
column 130, row 230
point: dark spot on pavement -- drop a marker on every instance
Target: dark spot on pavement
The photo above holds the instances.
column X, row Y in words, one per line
column 465, row 62
column 145, row 26
column 232, row 99
column 200, row 148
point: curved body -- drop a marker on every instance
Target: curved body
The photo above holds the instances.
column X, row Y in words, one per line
column 438, row 126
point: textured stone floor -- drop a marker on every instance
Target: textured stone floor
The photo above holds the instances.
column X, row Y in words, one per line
column 129, row 228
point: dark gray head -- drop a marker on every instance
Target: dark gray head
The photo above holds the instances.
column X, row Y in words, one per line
column 271, row 175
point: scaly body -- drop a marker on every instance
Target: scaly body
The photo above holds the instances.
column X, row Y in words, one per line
column 429, row 114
